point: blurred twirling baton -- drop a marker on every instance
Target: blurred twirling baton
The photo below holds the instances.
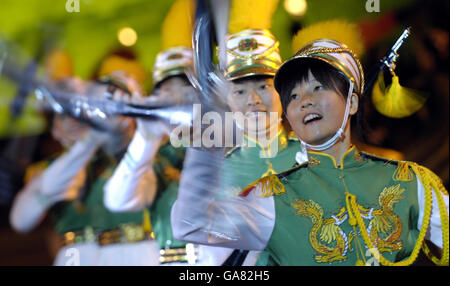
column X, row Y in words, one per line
column 89, row 109
column 211, row 26
column 206, row 78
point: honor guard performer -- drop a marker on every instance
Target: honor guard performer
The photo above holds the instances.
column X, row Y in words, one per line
column 267, row 145
column 339, row 205
column 148, row 175
column 69, row 188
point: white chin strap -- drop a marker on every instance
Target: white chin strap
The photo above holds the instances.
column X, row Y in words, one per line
column 302, row 156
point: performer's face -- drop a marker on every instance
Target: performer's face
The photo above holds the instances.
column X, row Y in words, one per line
column 119, row 126
column 316, row 113
column 255, row 98
column 65, row 129
column 173, row 89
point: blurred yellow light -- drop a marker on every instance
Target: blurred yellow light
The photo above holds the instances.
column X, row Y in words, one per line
column 127, row 36
column 295, row 7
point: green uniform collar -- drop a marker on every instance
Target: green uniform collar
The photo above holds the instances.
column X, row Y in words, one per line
column 249, row 143
column 351, row 158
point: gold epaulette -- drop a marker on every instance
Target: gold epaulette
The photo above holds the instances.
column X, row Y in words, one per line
column 271, row 184
column 406, row 169
column 403, row 173
column 264, row 187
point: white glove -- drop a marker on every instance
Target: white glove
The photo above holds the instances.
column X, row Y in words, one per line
column 152, row 130
column 59, row 176
column 133, row 184
column 30, row 204
column 61, row 181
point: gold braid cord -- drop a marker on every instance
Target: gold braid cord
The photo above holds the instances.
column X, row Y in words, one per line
column 430, row 181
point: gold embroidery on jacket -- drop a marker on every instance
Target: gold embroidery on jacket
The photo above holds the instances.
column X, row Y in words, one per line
column 385, row 220
column 330, row 232
column 332, row 244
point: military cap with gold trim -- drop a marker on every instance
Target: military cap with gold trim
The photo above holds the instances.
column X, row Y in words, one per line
column 251, row 48
column 335, row 42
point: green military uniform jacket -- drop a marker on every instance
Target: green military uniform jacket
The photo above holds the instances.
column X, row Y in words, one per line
column 251, row 161
column 88, row 212
column 242, row 166
column 167, row 166
column 316, row 218
column 245, row 164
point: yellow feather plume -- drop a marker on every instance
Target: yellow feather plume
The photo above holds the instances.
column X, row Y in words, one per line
column 339, row 30
column 176, row 30
column 58, row 65
column 396, row 101
column 251, row 14
column 131, row 67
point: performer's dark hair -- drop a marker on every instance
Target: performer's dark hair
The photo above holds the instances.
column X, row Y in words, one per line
column 180, row 76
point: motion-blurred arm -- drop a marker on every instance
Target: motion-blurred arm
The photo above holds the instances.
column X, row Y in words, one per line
column 202, row 214
column 62, row 180
column 134, row 184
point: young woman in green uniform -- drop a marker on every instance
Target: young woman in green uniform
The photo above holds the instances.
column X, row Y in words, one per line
column 338, row 205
